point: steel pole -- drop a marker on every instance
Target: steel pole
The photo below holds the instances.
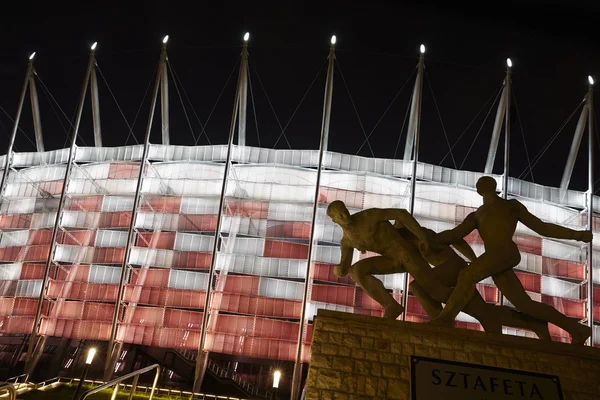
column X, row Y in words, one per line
column 243, row 96
column 35, row 111
column 201, row 358
column 164, row 100
column 138, row 189
column 413, row 182
column 297, row 375
column 590, row 214
column 59, row 211
column 506, row 136
column 96, row 108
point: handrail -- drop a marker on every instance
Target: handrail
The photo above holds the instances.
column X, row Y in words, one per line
column 16, row 378
column 12, row 392
column 135, row 375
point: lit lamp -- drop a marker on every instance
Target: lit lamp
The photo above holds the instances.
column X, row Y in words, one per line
column 276, row 377
column 88, row 361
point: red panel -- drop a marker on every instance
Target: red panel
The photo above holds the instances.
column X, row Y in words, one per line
column 77, row 238
column 8, row 288
column 165, row 296
column 39, row 236
column 343, row 295
column 88, row 203
column 238, row 284
column 324, row 272
column 197, row 223
column 73, row 273
column 75, row 310
column 570, row 308
column 489, row 293
column 596, row 312
column 123, row 170
column 159, row 337
column 288, row 229
column 352, row 199
column 252, row 209
column 16, row 324
column 563, row 268
column 170, row 205
column 281, row 249
column 156, row 240
column 82, row 291
column 183, row 319
column 16, row 306
column 114, row 220
column 15, row 221
column 254, row 305
column 191, row 260
column 150, row 277
column 34, row 271
column 364, row 301
column 88, row 330
column 109, row 255
column 150, row 316
column 25, row 253
column 527, row 244
column 530, row 282
column 252, row 347
column 468, row 325
column 253, row 326
column 414, row 307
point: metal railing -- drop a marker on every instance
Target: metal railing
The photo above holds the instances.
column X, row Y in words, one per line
column 116, row 382
column 239, row 380
column 15, row 379
column 12, row 393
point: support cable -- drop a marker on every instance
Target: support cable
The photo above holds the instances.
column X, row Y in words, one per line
column 401, row 129
column 522, row 135
column 253, row 106
column 18, row 127
column 385, row 112
column 140, row 108
column 169, row 68
column 362, row 128
column 441, row 121
column 472, row 121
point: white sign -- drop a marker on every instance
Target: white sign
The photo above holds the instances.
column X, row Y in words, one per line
column 441, row 379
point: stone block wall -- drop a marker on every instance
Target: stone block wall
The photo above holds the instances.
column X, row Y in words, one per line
column 361, row 357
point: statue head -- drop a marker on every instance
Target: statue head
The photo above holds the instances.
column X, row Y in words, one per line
column 338, row 213
column 486, row 185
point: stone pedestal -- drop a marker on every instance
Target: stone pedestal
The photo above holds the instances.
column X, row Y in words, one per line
column 362, row 357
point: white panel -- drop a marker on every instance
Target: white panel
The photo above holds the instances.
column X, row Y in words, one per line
column 74, row 254
column 244, row 226
column 466, row 318
column 200, row 206
column 392, row 281
column 10, row 272
column 534, row 296
column 117, row 204
column 559, row 288
column 151, row 257
column 91, row 171
column 157, row 221
column 29, row 288
column 313, row 306
column 517, row 332
column 181, row 187
column 80, row 219
column 562, row 251
column 35, row 158
column 243, row 246
column 14, row 238
column 278, row 288
column 190, row 280
column 108, row 238
column 104, row 274
column 261, row 266
column 326, row 254
column 21, row 206
column 39, row 174
column 187, row 170
column 291, row 212
column 277, row 174
column 43, row 220
column 191, row 242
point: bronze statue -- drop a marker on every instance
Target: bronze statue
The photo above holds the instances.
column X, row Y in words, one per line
column 371, row 230
column 496, row 220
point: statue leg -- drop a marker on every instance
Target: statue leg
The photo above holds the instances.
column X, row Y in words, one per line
column 432, row 308
column 512, row 289
column 484, row 266
column 362, row 273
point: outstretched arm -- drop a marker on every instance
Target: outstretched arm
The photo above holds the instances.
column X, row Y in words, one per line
column 455, row 235
column 342, row 268
column 465, row 249
column 403, row 217
column 547, row 229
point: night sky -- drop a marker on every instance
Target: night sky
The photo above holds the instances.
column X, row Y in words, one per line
column 553, row 48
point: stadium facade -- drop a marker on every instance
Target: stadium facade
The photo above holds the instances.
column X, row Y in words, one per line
column 94, row 249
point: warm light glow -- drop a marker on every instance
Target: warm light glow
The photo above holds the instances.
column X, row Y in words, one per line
column 90, row 356
column 422, row 48
column 165, row 39
column 246, row 36
column 333, row 39
column 32, row 55
column 94, row 46
column 590, row 80
column 509, row 62
column 277, row 375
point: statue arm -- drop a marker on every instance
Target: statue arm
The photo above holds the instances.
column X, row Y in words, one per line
column 402, row 217
column 342, row 268
column 465, row 249
column 548, row 229
column 455, row 235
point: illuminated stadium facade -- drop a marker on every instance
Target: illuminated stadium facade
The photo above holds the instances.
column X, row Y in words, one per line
column 84, row 230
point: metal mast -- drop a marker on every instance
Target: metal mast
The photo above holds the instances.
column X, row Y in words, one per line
column 35, row 112
column 243, row 92
column 297, row 375
column 164, row 94
column 568, row 172
column 202, row 358
column 34, row 351
column 590, row 213
column 95, row 104
column 415, row 126
column 112, row 346
column 508, row 87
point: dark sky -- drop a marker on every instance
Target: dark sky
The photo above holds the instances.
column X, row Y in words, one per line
column 554, row 46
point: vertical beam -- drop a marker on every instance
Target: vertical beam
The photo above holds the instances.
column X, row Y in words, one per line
column 508, row 87
column 31, row 361
column 416, row 102
column 297, row 375
column 202, row 359
column 112, row 347
column 35, row 112
column 489, row 164
column 243, row 95
column 164, row 97
column 590, row 214
column 13, row 134
column 95, row 108
column 410, row 134
column 568, row 172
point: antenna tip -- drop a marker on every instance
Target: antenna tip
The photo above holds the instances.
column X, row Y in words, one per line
column 165, row 39
column 333, row 40
column 509, row 62
column 94, row 46
column 32, row 55
column 591, row 80
column 246, row 36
